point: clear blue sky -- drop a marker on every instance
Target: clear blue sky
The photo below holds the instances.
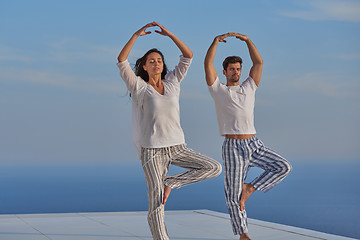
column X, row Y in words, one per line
column 62, row 99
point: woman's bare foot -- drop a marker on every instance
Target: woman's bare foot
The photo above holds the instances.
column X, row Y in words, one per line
column 167, row 191
column 247, row 190
column 244, row 236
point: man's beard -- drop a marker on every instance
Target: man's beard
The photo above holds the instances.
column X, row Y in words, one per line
column 234, row 78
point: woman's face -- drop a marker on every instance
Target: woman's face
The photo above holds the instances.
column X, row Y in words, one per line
column 154, row 64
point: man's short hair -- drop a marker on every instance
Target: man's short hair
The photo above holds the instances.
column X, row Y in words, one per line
column 231, row 59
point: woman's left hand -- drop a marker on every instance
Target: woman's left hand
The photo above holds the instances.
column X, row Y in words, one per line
column 185, row 50
column 163, row 31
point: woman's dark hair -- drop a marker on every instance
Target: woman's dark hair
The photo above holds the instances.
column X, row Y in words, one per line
column 139, row 70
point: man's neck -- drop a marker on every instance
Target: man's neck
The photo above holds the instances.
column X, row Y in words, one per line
column 231, row 84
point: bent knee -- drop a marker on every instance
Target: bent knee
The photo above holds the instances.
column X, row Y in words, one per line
column 212, row 170
column 216, row 169
column 287, row 168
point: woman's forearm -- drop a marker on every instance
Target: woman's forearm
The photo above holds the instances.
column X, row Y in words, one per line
column 127, row 48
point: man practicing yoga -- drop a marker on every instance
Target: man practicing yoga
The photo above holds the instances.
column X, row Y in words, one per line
column 234, row 103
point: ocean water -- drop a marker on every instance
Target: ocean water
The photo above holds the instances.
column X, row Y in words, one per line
column 318, row 195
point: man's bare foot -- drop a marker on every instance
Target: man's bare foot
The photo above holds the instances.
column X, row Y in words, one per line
column 247, row 190
column 167, row 191
column 244, row 236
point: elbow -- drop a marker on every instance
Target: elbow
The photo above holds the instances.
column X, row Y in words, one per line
column 189, row 55
column 121, row 59
column 206, row 66
column 207, row 63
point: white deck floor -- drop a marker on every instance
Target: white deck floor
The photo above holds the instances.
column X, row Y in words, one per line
column 181, row 225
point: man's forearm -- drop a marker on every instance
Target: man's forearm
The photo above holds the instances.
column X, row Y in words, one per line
column 254, row 53
column 256, row 69
column 210, row 72
column 210, row 55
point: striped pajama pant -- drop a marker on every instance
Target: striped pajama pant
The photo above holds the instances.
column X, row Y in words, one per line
column 239, row 155
column 155, row 163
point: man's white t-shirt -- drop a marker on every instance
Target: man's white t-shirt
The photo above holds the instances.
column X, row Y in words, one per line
column 234, row 106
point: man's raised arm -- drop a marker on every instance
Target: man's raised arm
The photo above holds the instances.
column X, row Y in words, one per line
column 210, row 72
column 256, row 69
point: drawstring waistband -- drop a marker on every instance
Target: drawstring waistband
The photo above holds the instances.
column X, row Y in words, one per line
column 166, row 150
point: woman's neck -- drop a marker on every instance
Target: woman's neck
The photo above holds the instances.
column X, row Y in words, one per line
column 156, row 83
column 155, row 80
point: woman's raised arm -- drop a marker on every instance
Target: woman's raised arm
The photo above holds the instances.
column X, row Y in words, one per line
column 185, row 50
column 128, row 46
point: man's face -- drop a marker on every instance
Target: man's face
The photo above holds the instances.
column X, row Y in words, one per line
column 233, row 73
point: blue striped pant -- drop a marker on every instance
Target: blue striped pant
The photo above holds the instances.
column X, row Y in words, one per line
column 239, row 155
column 155, row 163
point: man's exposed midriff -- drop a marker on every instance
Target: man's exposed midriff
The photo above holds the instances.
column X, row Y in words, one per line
column 239, row 136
